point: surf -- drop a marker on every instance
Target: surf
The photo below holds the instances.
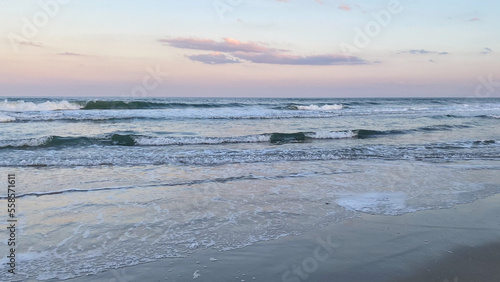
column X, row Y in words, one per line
column 22, row 106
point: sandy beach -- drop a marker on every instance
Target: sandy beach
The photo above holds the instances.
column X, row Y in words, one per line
column 457, row 244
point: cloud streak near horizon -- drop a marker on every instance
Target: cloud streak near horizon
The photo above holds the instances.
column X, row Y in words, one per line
column 423, row 52
column 30, row 43
column 486, row 51
column 69, row 54
column 233, row 51
column 227, row 45
column 215, row 58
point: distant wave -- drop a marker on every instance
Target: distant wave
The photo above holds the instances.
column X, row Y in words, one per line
column 362, row 103
column 366, row 133
column 466, row 116
column 119, row 105
column 321, row 108
column 22, row 106
column 484, row 142
column 156, row 116
column 333, row 107
column 130, row 105
column 492, row 116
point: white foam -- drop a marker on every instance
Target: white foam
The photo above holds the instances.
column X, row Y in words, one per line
column 391, row 110
column 4, row 118
column 375, row 203
column 333, row 107
column 160, row 141
column 27, row 257
column 21, row 106
column 85, row 234
column 33, row 142
column 196, row 274
column 331, row 134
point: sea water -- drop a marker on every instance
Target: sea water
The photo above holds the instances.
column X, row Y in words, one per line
column 104, row 183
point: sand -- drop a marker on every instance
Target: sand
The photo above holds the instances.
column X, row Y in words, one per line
column 458, row 244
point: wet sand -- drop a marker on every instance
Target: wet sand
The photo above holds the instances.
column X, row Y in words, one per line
column 458, row 244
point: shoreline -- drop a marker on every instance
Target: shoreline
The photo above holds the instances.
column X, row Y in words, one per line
column 461, row 243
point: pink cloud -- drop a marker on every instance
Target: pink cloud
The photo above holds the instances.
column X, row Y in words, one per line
column 345, row 7
column 228, row 45
column 474, row 19
column 230, row 51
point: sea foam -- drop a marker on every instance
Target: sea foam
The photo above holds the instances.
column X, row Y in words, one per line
column 333, row 107
column 22, row 106
column 4, row 118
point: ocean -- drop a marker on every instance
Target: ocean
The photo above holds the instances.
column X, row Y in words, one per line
column 103, row 183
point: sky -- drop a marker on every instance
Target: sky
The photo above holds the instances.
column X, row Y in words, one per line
column 243, row 48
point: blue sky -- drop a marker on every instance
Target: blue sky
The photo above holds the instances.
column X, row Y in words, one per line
column 294, row 48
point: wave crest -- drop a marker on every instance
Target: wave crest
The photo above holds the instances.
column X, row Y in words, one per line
column 140, row 140
column 4, row 118
column 22, row 106
column 333, row 107
column 143, row 105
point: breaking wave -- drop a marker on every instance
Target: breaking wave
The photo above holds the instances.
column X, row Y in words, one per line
column 327, row 107
column 22, row 106
column 140, row 140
